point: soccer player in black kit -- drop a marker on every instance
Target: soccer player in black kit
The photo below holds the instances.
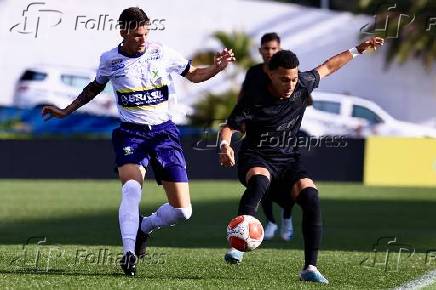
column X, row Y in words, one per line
column 270, row 120
column 255, row 77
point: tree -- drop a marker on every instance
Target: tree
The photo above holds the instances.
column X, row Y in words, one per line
column 405, row 38
column 215, row 108
column 239, row 41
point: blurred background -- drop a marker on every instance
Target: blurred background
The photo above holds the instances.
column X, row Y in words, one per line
column 381, row 107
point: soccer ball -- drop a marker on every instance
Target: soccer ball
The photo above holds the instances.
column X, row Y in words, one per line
column 244, row 233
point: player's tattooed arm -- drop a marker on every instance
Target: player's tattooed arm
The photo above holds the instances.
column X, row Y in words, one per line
column 88, row 93
column 336, row 62
column 221, row 60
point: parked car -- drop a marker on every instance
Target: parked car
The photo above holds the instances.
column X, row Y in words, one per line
column 51, row 85
column 336, row 114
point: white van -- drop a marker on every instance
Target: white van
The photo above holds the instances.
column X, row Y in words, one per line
column 50, row 85
column 337, row 114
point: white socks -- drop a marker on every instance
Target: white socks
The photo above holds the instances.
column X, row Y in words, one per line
column 129, row 214
column 166, row 215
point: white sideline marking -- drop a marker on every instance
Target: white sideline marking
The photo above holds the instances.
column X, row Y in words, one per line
column 423, row 281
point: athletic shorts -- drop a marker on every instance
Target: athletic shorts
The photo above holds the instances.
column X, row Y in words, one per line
column 283, row 175
column 157, row 145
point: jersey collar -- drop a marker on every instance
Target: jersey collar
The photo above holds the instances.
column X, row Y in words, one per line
column 135, row 55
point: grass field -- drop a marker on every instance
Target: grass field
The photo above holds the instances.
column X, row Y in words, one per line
column 80, row 222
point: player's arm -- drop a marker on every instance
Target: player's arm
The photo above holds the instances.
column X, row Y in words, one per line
column 88, row 93
column 336, row 62
column 221, row 60
column 235, row 122
column 226, row 155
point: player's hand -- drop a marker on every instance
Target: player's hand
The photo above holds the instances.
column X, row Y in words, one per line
column 227, row 156
column 223, row 58
column 49, row 112
column 370, row 45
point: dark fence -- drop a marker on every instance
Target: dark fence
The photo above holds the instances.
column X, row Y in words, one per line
column 94, row 159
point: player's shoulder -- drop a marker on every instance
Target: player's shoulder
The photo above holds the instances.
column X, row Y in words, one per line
column 255, row 69
column 109, row 54
column 309, row 76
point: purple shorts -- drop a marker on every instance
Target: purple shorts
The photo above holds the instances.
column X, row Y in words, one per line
column 157, row 145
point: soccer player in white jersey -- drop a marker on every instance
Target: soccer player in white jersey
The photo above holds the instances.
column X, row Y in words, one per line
column 140, row 72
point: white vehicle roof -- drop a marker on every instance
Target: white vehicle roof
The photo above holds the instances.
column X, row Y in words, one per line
column 348, row 100
column 63, row 70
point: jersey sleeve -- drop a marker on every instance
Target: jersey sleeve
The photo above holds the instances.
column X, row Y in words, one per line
column 310, row 79
column 175, row 62
column 103, row 71
column 239, row 115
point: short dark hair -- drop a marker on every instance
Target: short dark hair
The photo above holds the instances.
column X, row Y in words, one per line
column 271, row 36
column 284, row 58
column 132, row 18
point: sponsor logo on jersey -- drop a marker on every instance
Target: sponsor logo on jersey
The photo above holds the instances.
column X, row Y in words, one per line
column 147, row 97
column 117, row 64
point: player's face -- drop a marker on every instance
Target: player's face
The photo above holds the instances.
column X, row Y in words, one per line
column 283, row 81
column 135, row 40
column 268, row 49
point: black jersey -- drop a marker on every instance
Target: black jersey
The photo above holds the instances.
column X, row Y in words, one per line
column 270, row 123
column 254, row 78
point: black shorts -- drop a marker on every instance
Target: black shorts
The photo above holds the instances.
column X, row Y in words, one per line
column 283, row 174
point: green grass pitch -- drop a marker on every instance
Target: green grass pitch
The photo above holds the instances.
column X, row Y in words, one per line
column 79, row 220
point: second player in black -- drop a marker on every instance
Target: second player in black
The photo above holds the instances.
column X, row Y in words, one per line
column 268, row 159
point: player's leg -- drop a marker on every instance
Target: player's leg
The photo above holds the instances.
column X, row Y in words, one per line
column 287, row 228
column 131, row 177
column 257, row 181
column 178, row 208
column 169, row 166
column 305, row 194
column 271, row 226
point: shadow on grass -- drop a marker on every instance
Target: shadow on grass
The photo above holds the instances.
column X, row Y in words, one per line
column 349, row 225
column 53, row 272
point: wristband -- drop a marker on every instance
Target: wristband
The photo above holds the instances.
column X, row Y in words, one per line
column 354, row 52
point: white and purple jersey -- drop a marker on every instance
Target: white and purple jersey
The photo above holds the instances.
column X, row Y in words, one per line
column 142, row 83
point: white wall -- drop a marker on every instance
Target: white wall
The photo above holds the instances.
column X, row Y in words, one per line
column 407, row 92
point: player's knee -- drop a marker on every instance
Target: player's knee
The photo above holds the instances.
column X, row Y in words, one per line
column 309, row 197
column 301, row 185
column 257, row 171
column 131, row 190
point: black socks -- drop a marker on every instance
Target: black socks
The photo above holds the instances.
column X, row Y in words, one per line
column 257, row 186
column 312, row 224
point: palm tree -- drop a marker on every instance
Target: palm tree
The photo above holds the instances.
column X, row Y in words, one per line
column 215, row 108
column 239, row 41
